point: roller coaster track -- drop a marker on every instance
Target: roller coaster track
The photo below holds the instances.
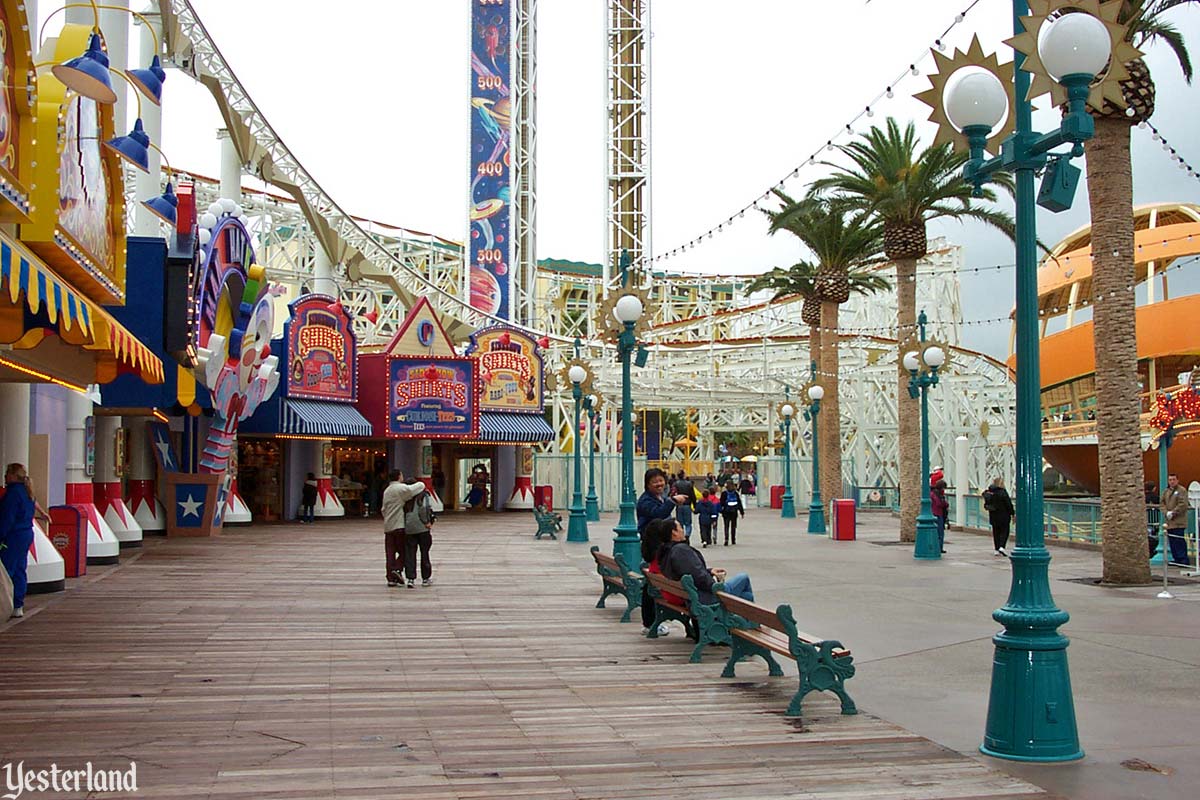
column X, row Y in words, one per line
column 264, row 154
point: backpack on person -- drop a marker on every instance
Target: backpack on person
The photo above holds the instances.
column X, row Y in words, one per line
column 418, row 514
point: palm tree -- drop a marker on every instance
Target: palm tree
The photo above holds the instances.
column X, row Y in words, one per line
column 1110, row 192
column 904, row 190
column 841, row 239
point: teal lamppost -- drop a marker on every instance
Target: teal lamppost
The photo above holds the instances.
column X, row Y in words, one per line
column 591, row 404
column 922, row 366
column 1031, row 709
column 816, row 509
column 628, row 310
column 577, row 530
column 787, row 410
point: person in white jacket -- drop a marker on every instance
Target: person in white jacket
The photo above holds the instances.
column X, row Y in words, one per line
column 395, row 496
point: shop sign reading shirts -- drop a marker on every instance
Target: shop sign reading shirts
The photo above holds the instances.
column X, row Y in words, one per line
column 432, row 397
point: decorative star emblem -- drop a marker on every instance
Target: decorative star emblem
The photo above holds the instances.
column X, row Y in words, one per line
column 191, row 506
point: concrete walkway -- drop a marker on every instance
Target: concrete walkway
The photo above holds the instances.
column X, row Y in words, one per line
column 921, row 636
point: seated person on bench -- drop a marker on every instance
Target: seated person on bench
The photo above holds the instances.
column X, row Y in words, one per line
column 677, row 558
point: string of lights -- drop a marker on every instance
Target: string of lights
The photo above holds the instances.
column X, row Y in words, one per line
column 847, row 130
column 1179, row 160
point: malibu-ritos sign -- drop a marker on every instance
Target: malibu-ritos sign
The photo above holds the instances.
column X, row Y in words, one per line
column 510, row 370
column 321, row 350
column 432, row 398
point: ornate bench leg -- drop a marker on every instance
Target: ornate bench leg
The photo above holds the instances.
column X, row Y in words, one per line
column 737, row 651
column 633, row 599
column 773, row 668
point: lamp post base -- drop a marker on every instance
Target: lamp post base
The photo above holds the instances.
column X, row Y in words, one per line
column 927, row 546
column 789, row 507
column 1049, row 733
column 577, row 530
column 816, row 518
column 592, row 508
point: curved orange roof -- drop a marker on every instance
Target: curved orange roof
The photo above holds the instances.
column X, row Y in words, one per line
column 1163, row 232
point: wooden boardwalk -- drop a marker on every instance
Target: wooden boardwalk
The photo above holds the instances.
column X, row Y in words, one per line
column 273, row 662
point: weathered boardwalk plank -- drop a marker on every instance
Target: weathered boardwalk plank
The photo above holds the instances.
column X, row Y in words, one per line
column 273, row 662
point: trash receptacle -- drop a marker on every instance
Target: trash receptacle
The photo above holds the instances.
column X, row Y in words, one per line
column 842, row 529
column 777, row 496
column 68, row 534
column 544, row 496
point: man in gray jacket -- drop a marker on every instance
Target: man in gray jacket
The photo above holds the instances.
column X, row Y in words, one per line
column 1175, row 514
column 395, row 496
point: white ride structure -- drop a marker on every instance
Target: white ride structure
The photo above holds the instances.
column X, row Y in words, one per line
column 713, row 349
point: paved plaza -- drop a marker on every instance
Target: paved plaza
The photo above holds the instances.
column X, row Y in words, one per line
column 273, row 662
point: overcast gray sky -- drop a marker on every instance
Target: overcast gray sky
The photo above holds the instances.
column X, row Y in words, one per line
column 373, row 98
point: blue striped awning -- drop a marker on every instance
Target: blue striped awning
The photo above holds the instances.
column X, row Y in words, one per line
column 496, row 426
column 316, row 418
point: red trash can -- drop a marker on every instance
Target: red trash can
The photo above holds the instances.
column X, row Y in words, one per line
column 544, row 496
column 777, row 496
column 842, row 529
column 68, row 534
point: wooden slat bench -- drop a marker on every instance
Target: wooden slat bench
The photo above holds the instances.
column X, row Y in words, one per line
column 548, row 522
column 824, row 664
column 616, row 578
column 704, row 623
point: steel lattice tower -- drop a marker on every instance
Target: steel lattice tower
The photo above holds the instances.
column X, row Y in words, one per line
column 628, row 162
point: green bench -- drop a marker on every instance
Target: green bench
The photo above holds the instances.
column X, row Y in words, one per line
column 616, row 578
column 824, row 665
column 548, row 522
column 707, row 624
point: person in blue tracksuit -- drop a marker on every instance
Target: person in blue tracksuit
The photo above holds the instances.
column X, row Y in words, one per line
column 16, row 531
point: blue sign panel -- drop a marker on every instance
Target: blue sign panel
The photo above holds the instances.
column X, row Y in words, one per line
column 189, row 504
column 433, row 398
column 489, row 240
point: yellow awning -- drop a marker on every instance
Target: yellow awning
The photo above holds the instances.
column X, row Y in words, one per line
column 34, row 299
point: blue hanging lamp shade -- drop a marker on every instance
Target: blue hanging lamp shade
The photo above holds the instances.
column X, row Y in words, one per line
column 134, row 148
column 149, row 81
column 165, row 206
column 87, row 74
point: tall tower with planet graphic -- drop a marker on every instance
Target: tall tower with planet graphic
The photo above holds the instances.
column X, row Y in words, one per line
column 489, row 285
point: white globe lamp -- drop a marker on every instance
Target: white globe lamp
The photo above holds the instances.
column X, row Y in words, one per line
column 976, row 99
column 912, row 361
column 1074, row 44
column 787, row 410
column 577, row 374
column 816, row 392
column 935, row 356
column 628, row 308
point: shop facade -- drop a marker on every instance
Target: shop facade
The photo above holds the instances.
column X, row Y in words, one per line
column 62, row 264
column 300, row 428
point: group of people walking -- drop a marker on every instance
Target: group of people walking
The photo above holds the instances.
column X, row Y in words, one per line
column 408, row 521
column 664, row 516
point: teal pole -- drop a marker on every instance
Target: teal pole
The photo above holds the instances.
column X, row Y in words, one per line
column 577, row 530
column 1031, row 709
column 626, row 543
column 816, row 509
column 1161, row 553
column 592, row 504
column 789, row 503
column 927, row 546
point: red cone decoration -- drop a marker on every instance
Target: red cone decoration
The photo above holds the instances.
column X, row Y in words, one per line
column 544, row 342
column 371, row 316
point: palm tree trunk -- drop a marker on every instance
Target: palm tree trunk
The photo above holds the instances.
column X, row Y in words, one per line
column 831, row 417
column 1122, row 504
column 908, row 411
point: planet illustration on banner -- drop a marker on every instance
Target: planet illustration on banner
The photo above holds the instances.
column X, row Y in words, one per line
column 485, row 291
column 486, row 208
column 505, row 194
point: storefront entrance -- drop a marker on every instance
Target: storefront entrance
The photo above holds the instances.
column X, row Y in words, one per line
column 361, row 470
column 260, row 477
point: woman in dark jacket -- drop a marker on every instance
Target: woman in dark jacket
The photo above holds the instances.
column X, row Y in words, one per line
column 1000, row 513
column 678, row 558
column 16, row 531
column 656, row 533
column 731, row 507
